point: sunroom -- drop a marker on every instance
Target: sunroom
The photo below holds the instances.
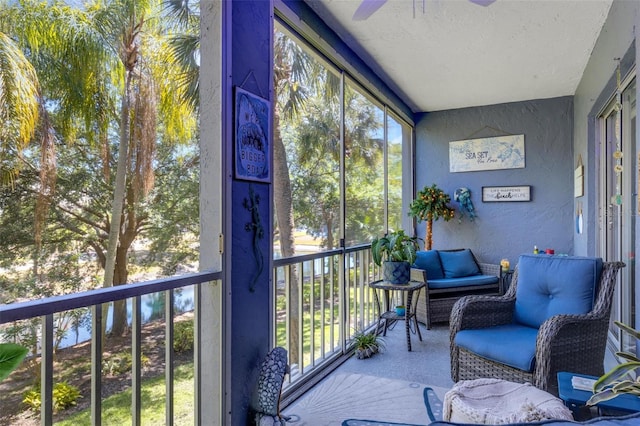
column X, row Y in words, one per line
column 353, row 121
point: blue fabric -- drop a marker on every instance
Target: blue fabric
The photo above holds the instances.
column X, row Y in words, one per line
column 429, row 261
column 630, row 420
column 511, row 344
column 463, row 281
column 551, row 285
column 458, row 263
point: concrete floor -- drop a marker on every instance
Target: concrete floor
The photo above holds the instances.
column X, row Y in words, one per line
column 364, row 388
column 427, row 363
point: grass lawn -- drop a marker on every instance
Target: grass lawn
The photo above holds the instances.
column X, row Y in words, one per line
column 116, row 410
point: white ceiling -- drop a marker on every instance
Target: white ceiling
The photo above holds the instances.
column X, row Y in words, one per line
column 459, row 54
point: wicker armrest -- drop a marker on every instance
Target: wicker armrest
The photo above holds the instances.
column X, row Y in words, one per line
column 481, row 311
column 570, row 343
column 419, row 275
column 490, row 269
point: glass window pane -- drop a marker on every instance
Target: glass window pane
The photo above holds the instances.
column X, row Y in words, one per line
column 364, row 167
column 306, row 151
column 397, row 136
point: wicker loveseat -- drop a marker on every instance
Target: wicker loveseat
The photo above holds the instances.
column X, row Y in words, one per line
column 451, row 274
column 554, row 317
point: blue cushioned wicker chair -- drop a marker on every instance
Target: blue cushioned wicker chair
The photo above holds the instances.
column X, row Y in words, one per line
column 554, row 317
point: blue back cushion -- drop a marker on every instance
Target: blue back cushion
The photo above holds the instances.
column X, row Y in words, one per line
column 552, row 285
column 429, row 261
column 458, row 263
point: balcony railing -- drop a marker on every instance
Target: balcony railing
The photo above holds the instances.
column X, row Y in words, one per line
column 50, row 310
column 321, row 301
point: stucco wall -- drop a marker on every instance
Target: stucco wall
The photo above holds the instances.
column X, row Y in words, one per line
column 504, row 229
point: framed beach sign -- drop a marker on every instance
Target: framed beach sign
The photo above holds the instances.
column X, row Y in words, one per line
column 506, row 193
column 252, row 137
column 496, row 153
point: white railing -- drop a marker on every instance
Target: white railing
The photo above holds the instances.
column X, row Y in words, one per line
column 321, row 301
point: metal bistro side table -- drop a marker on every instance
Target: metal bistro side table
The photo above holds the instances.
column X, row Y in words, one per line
column 410, row 309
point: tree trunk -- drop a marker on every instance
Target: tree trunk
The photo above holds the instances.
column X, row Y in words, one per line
column 283, row 204
column 429, row 236
column 121, row 275
column 282, row 197
column 120, row 184
column 329, row 224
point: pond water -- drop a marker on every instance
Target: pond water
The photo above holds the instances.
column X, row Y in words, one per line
column 152, row 308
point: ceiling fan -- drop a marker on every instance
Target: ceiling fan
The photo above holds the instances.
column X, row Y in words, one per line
column 369, row 7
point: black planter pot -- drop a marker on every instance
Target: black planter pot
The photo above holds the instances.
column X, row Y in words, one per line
column 396, row 272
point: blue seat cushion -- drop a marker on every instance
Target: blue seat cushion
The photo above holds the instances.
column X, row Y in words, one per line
column 463, row 281
column 552, row 285
column 458, row 263
column 512, row 344
column 429, row 260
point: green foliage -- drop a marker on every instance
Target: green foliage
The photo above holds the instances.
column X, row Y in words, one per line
column 367, row 344
column 120, row 363
column 431, row 204
column 621, row 379
column 183, row 336
column 395, row 246
column 32, row 399
column 309, row 108
column 117, row 408
column 11, row 355
column 74, row 52
column 64, row 396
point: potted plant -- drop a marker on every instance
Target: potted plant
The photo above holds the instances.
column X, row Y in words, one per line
column 395, row 252
column 429, row 205
column 621, row 379
column 367, row 344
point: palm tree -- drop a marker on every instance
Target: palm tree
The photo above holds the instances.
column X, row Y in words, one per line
column 19, row 107
column 100, row 56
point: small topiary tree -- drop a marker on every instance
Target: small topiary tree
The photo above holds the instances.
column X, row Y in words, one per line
column 431, row 204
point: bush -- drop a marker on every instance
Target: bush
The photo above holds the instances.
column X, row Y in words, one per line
column 120, row 363
column 64, row 396
column 183, row 336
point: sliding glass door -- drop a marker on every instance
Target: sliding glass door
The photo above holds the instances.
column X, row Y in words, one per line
column 619, row 204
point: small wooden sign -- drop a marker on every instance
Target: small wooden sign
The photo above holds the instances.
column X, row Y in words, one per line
column 506, row 193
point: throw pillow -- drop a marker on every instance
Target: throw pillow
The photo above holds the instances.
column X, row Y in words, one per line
column 429, row 261
column 458, row 264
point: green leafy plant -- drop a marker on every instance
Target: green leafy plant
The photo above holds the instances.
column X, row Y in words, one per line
column 183, row 336
column 431, row 204
column 396, row 247
column 621, row 379
column 120, row 363
column 367, row 344
column 11, row 355
column 64, row 396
